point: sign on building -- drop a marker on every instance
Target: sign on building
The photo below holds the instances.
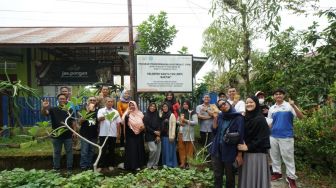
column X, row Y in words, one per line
column 162, row 73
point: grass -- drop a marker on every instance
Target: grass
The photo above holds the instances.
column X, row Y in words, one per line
column 43, row 148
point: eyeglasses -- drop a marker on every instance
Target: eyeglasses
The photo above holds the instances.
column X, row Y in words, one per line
column 92, row 100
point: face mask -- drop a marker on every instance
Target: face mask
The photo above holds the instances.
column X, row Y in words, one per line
column 261, row 101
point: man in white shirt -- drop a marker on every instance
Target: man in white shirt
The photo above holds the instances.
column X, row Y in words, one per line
column 233, row 99
column 108, row 128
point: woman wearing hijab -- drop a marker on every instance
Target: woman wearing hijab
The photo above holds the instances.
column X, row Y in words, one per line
column 174, row 106
column 168, row 128
column 223, row 153
column 134, row 128
column 187, row 120
column 152, row 135
column 255, row 172
column 122, row 106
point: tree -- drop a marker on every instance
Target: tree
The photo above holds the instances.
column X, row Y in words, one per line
column 155, row 34
column 184, row 50
column 254, row 18
column 222, row 43
column 295, row 62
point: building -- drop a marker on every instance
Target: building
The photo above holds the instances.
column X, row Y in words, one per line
column 47, row 58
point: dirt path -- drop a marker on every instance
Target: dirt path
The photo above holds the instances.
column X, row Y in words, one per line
column 283, row 184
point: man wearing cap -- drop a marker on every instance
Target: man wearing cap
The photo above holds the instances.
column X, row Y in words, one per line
column 221, row 96
column 263, row 106
column 282, row 136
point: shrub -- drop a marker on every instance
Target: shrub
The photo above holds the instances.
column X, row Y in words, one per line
column 316, row 140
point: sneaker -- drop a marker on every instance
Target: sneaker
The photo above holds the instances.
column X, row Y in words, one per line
column 155, row 167
column 99, row 169
column 111, row 168
column 276, row 176
column 291, row 182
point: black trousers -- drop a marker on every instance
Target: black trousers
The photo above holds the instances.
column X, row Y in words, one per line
column 107, row 157
column 218, row 169
column 206, row 137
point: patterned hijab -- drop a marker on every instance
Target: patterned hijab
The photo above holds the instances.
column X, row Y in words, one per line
column 135, row 121
column 122, row 97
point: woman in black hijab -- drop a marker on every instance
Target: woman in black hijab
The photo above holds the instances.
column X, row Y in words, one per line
column 168, row 129
column 255, row 172
column 223, row 153
column 152, row 135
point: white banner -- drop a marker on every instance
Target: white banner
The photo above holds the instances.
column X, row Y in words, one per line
column 162, row 73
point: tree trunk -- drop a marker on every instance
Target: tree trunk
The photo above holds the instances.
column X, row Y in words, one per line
column 247, row 48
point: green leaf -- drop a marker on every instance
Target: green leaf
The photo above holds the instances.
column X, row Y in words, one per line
column 58, row 131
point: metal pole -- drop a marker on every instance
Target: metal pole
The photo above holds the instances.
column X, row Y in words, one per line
column 131, row 50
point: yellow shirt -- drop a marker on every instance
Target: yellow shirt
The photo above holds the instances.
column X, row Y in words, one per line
column 122, row 107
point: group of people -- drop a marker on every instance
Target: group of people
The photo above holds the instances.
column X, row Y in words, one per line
column 244, row 134
column 238, row 135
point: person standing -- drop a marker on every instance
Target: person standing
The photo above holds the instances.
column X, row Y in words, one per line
column 103, row 95
column 264, row 107
column 282, row 136
column 234, row 100
column 174, row 106
column 134, row 129
column 58, row 116
column 224, row 153
column 108, row 128
column 122, row 106
column 221, row 96
column 168, row 129
column 255, row 173
column 89, row 130
column 152, row 135
column 205, row 116
column 65, row 90
column 187, row 120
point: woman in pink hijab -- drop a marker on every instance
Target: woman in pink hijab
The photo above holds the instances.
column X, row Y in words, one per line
column 134, row 129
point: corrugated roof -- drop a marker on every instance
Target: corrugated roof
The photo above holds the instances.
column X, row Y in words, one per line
column 64, row 35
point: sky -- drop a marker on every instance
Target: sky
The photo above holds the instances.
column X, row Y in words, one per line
column 191, row 17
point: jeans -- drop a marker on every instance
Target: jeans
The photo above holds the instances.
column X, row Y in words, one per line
column 206, row 138
column 57, row 146
column 87, row 153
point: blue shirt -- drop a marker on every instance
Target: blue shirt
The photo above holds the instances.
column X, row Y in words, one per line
column 282, row 116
